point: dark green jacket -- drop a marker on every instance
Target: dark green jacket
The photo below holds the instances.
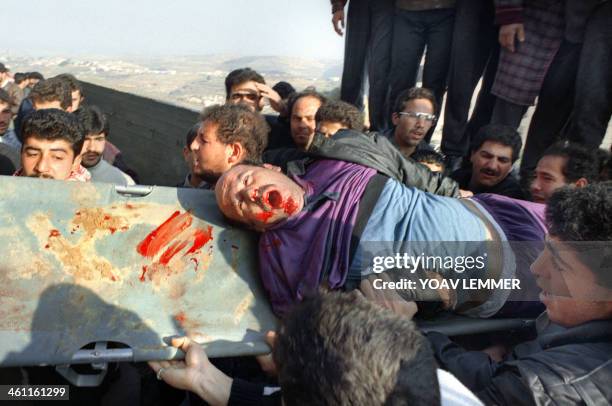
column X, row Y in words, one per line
column 372, row 150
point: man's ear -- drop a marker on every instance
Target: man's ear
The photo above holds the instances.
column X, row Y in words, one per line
column 395, row 118
column 235, row 152
column 272, row 167
column 186, row 152
column 76, row 163
column 582, row 182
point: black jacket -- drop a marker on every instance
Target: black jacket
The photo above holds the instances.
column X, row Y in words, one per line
column 562, row 366
column 508, row 187
column 372, row 150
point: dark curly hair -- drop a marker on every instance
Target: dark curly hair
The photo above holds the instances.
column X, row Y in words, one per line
column 501, row 134
column 430, row 157
column 583, row 216
column 92, row 120
column 239, row 76
column 54, row 124
column 337, row 111
column 50, row 90
column 237, row 123
column 580, row 161
column 338, row 349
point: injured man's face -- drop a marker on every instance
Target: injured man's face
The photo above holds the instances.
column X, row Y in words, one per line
column 258, row 197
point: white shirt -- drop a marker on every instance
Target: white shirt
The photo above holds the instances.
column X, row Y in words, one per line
column 453, row 392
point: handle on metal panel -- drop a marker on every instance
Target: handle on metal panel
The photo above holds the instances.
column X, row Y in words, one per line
column 98, row 357
column 134, row 190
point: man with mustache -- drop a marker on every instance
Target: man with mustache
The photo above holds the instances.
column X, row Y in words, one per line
column 413, row 116
column 52, row 144
column 570, row 361
column 95, row 128
column 493, row 151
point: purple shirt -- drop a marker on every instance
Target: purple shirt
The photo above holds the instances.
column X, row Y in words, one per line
column 312, row 246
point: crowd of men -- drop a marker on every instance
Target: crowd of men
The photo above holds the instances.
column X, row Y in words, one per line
column 321, row 181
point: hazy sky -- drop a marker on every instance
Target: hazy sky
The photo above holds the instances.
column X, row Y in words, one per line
column 162, row 27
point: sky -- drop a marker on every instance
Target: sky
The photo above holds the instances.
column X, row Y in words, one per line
column 164, row 27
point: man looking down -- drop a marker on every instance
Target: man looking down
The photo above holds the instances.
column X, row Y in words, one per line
column 52, row 144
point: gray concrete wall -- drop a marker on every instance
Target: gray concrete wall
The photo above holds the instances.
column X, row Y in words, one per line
column 149, row 133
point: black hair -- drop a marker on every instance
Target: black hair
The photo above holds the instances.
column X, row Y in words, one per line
column 337, row 111
column 35, row 75
column 357, row 353
column 192, row 133
column 71, row 81
column 237, row 123
column 580, row 162
column 54, row 124
column 50, row 90
column 19, row 77
column 239, row 76
column 92, row 120
column 430, row 157
column 284, row 89
column 583, row 216
column 501, row 134
column 5, row 97
column 413, row 94
column 308, row 92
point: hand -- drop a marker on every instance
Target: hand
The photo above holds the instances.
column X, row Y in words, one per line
column 497, row 352
column 510, row 33
column 387, row 298
column 338, row 21
column 464, row 194
column 195, row 373
column 266, row 362
column 276, row 102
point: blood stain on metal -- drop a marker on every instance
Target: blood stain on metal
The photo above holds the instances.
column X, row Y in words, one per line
column 201, row 237
column 162, row 235
column 144, row 272
column 92, row 220
column 173, row 235
column 174, row 249
column 196, row 263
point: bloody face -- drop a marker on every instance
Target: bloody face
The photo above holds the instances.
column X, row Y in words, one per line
column 258, row 197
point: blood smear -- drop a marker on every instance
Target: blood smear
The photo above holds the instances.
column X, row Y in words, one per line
column 142, row 275
column 264, row 216
column 290, row 206
column 174, row 249
column 161, row 236
column 201, row 237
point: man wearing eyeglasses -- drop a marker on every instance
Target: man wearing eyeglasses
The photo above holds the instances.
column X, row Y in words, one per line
column 413, row 116
column 247, row 87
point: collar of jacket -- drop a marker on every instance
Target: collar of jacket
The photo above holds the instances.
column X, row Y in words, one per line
column 553, row 335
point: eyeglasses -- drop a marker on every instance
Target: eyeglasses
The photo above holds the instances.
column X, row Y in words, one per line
column 418, row 116
column 250, row 96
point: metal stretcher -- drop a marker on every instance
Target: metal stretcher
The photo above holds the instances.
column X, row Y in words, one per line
column 92, row 273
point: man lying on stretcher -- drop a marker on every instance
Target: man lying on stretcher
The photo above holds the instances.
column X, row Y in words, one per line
column 322, row 227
